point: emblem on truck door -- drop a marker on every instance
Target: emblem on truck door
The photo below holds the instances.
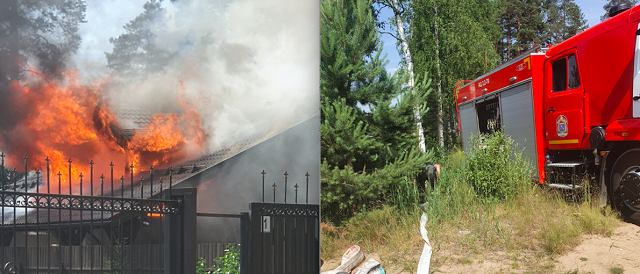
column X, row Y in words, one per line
column 561, row 126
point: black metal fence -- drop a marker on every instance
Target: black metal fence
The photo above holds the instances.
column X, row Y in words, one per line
column 285, row 237
column 85, row 225
column 139, row 225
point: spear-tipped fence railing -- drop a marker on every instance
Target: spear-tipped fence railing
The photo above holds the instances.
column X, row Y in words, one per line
column 89, row 230
column 284, row 235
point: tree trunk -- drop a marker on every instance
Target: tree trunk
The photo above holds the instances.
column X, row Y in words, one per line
column 409, row 62
column 439, row 118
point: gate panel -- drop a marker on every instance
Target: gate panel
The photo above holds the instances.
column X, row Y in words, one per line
column 285, row 238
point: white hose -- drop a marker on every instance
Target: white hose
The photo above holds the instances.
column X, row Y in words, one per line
column 425, row 258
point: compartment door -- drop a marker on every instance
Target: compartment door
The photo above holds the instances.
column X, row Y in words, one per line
column 518, row 120
column 468, row 123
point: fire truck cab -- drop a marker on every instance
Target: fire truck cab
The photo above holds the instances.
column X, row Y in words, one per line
column 573, row 107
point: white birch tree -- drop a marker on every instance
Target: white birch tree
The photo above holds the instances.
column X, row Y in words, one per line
column 399, row 11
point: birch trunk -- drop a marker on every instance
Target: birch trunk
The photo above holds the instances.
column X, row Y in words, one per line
column 407, row 57
column 439, row 119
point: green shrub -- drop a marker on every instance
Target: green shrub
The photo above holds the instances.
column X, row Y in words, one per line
column 346, row 192
column 229, row 263
column 494, row 168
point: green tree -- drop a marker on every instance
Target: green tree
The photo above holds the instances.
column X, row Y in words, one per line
column 136, row 51
column 452, row 40
column 522, row 26
column 401, row 15
column 611, row 3
column 365, row 153
column 563, row 19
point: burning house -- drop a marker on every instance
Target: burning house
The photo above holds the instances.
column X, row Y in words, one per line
column 186, row 139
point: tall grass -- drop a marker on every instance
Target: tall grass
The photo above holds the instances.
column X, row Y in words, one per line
column 528, row 222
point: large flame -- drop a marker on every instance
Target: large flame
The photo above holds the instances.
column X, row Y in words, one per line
column 67, row 121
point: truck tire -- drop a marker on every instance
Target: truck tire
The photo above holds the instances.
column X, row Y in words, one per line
column 625, row 185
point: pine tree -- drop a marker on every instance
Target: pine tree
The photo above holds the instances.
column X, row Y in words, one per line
column 364, row 153
column 135, row 51
column 522, row 25
column 563, row 19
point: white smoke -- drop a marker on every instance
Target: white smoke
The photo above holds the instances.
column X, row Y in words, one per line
column 248, row 66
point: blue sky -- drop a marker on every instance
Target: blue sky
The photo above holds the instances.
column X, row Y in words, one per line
column 592, row 10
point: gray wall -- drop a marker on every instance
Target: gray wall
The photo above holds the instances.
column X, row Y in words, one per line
column 230, row 186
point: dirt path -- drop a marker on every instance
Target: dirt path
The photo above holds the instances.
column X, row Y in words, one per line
column 595, row 254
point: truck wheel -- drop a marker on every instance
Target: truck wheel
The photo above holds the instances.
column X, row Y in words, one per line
column 625, row 185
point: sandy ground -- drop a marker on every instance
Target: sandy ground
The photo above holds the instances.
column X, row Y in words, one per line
column 596, row 254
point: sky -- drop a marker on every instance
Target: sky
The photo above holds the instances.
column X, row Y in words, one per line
column 592, row 10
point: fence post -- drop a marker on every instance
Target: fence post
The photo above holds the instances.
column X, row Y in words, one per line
column 189, row 226
column 180, row 234
column 245, row 243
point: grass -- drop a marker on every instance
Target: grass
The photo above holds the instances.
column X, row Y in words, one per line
column 530, row 227
column 616, row 269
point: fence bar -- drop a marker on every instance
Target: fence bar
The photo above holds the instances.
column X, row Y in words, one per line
column 307, row 175
column 81, row 228
column 37, row 220
column 263, row 173
column 285, row 186
column 2, row 244
column 69, row 241
column 26, row 232
column 48, row 218
column 90, row 233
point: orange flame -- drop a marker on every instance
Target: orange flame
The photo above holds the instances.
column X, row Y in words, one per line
column 66, row 121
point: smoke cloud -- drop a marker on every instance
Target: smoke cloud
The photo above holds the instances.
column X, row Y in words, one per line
column 246, row 66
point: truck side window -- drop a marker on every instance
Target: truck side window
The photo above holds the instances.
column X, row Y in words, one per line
column 559, row 68
column 574, row 77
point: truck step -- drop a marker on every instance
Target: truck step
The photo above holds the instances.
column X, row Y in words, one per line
column 571, row 163
column 563, row 186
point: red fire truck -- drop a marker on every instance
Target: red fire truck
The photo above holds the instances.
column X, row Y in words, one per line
column 573, row 108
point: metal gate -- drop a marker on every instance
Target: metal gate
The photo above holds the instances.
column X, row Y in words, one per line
column 87, row 225
column 285, row 237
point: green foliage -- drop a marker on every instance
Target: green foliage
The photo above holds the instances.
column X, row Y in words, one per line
column 135, row 51
column 563, row 19
column 201, row 267
column 522, row 26
column 494, row 168
column 366, row 154
column 351, row 66
column 119, row 261
column 405, row 195
column 229, row 263
column 393, row 121
column 343, row 139
column 346, row 192
column 465, row 32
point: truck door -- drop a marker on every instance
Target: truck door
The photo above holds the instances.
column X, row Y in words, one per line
column 564, row 114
